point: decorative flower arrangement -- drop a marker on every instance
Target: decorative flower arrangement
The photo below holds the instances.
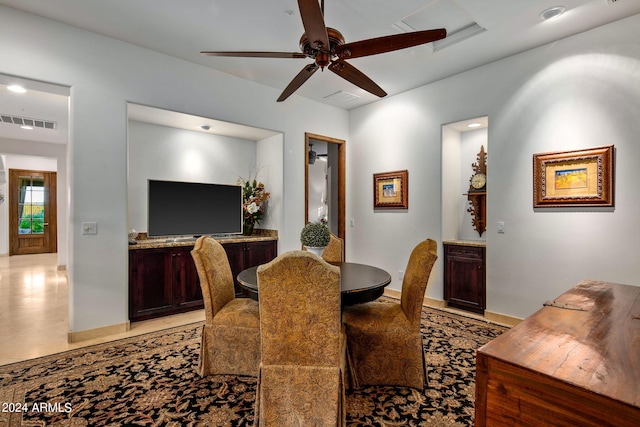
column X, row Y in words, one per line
column 254, row 199
column 315, row 235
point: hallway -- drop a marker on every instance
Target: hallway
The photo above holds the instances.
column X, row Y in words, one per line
column 34, row 314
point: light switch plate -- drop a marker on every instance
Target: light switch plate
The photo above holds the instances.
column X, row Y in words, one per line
column 89, row 228
column 500, row 226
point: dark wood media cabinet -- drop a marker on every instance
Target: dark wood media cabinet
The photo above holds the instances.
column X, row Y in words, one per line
column 163, row 279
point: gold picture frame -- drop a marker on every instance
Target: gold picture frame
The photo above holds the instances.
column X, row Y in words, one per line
column 390, row 190
column 574, row 178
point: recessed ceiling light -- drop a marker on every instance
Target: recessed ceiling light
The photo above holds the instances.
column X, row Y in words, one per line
column 16, row 89
column 552, row 12
column 474, row 125
column 25, row 127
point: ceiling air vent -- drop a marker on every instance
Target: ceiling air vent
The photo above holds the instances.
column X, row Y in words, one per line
column 25, row 121
column 342, row 96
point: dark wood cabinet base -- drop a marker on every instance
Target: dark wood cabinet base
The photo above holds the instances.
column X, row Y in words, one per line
column 163, row 280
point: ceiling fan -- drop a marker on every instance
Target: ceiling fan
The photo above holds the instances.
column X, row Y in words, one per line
column 327, row 47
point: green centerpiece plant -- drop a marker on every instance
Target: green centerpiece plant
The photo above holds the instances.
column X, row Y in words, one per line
column 315, row 235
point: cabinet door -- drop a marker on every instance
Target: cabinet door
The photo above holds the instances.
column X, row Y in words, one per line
column 260, row 252
column 186, row 282
column 465, row 277
column 150, row 283
column 235, row 254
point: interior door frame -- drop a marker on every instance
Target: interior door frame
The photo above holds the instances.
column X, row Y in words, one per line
column 341, row 177
column 50, row 218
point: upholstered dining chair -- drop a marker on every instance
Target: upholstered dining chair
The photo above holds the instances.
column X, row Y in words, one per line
column 384, row 340
column 231, row 333
column 334, row 252
column 301, row 380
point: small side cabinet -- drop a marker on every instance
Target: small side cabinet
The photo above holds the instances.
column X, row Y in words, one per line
column 464, row 275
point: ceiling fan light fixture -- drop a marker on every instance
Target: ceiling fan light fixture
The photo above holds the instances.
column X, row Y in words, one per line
column 552, row 12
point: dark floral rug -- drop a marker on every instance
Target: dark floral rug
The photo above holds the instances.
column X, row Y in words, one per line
column 151, row 380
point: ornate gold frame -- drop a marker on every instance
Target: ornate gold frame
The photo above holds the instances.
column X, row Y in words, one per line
column 574, row 178
column 391, row 190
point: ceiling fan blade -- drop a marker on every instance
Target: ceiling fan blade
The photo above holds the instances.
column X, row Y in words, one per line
column 357, row 77
column 244, row 54
column 388, row 43
column 298, row 80
column 313, row 23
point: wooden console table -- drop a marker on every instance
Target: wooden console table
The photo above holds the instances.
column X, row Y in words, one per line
column 575, row 362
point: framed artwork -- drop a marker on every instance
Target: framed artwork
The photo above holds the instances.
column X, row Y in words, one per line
column 390, row 190
column 574, row 178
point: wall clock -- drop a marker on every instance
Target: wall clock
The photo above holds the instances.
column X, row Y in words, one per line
column 477, row 194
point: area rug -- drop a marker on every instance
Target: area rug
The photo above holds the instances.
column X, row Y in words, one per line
column 151, row 380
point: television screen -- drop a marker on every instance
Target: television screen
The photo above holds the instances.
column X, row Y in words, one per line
column 189, row 208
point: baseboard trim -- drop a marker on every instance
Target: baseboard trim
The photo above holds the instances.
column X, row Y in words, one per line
column 90, row 334
column 435, row 303
column 501, row 319
column 392, row 293
column 489, row 316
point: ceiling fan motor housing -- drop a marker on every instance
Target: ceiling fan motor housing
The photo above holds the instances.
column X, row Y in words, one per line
column 322, row 56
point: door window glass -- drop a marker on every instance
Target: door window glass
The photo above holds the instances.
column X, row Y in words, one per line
column 31, row 205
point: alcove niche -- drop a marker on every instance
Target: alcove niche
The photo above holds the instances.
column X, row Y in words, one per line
column 173, row 146
column 461, row 143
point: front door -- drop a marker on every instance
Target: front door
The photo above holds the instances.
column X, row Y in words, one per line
column 32, row 212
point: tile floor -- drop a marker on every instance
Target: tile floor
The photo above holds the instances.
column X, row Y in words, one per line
column 34, row 314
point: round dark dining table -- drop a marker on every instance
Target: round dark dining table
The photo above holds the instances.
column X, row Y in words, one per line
column 359, row 282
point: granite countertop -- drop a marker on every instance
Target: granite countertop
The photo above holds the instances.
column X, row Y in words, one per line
column 143, row 242
column 475, row 243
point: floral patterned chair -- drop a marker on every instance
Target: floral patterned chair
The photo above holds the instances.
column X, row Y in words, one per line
column 231, row 333
column 301, row 381
column 384, row 339
column 334, row 252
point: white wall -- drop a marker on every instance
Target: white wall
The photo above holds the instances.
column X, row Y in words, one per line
column 104, row 75
column 270, row 170
column 579, row 92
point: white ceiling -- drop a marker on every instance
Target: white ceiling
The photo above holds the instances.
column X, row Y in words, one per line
column 184, row 28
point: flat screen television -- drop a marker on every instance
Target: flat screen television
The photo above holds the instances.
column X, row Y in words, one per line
column 193, row 209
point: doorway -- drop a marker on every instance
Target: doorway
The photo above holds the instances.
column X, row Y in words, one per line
column 328, row 203
column 32, row 212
